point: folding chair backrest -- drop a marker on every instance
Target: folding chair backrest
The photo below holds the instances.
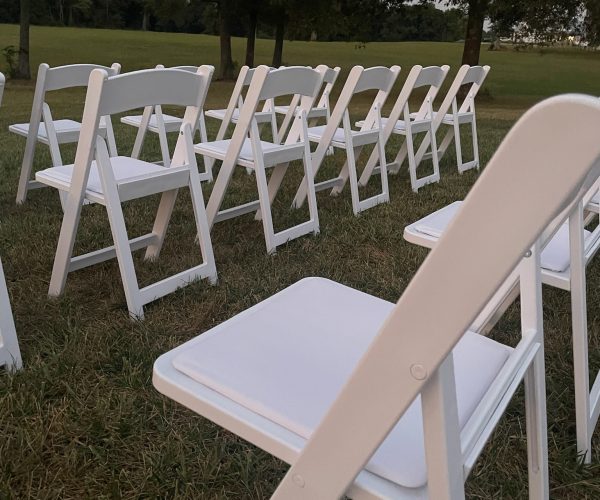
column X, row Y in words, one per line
column 72, row 75
column 111, row 95
column 432, row 77
column 474, row 76
column 405, row 358
column 329, row 80
column 359, row 80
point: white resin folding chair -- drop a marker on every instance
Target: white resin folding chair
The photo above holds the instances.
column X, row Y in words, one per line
column 371, row 400
column 473, row 76
column 563, row 262
column 258, row 155
column 154, row 120
column 10, row 355
column 412, row 124
column 50, row 131
column 352, row 141
column 111, row 180
column 320, row 111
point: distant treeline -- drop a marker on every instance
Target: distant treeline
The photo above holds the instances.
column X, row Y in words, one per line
column 338, row 20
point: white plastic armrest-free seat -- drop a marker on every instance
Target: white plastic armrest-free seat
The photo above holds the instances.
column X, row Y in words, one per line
column 45, row 129
column 328, row 379
column 111, row 180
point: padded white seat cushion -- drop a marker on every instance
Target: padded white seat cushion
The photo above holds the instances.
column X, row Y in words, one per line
column 315, row 134
column 136, row 120
column 288, row 357
column 555, row 256
column 61, row 126
column 219, row 114
column 219, row 148
column 124, row 168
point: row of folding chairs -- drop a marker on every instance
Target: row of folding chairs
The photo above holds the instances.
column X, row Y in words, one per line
column 128, row 177
column 377, row 400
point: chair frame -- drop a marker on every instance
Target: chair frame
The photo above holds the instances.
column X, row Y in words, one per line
column 172, row 87
column 321, row 110
column 371, row 132
column 413, row 349
column 10, row 354
column 162, row 130
column 49, row 79
column 414, row 123
column 573, row 280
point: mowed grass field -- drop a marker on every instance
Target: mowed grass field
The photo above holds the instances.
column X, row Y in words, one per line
column 82, row 420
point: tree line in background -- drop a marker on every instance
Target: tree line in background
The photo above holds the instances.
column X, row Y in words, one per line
column 323, row 20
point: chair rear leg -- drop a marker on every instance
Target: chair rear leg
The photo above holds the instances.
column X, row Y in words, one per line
column 161, row 223
column 457, row 145
column 475, row 142
column 265, row 206
column 537, row 438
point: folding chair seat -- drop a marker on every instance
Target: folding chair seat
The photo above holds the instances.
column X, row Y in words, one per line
column 320, row 111
column 405, row 123
column 111, row 180
column 231, row 114
column 50, row 131
column 563, row 262
column 352, row 141
column 334, row 393
column 155, row 121
column 258, row 155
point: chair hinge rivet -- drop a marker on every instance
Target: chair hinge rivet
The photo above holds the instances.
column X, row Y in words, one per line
column 528, row 253
column 418, row 371
column 298, row 480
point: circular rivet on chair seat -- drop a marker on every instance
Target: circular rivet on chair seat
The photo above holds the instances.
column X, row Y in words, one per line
column 528, row 253
column 298, row 480
column 418, row 371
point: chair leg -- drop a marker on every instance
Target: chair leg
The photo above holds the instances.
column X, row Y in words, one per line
column 351, row 168
column 457, row 145
column 10, row 355
column 161, row 223
column 207, row 160
column 537, row 438
column 434, row 155
column 475, row 142
column 443, row 147
column 265, row 205
column 412, row 167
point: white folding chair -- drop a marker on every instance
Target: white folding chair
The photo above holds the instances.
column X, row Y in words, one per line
column 371, row 400
column 112, row 180
column 155, row 121
column 320, row 111
column 50, row 131
column 466, row 75
column 474, row 76
column 352, row 141
column 411, row 124
column 563, row 262
column 258, row 155
column 10, row 355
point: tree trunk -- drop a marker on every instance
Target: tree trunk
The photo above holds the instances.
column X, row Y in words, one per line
column 476, row 17
column 226, row 66
column 145, row 19
column 279, row 32
column 251, row 39
column 23, row 70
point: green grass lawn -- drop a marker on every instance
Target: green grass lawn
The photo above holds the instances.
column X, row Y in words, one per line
column 83, row 420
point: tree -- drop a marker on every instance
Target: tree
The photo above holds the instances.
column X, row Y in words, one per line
column 226, row 69
column 253, row 7
column 24, row 70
